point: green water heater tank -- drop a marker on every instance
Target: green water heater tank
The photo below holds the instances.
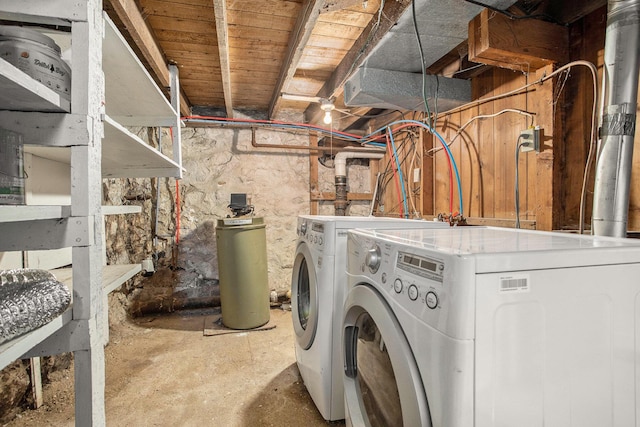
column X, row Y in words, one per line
column 242, row 269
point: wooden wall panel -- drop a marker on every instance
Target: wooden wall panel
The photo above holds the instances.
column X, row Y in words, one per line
column 586, row 42
column 483, row 87
column 550, row 181
column 485, row 150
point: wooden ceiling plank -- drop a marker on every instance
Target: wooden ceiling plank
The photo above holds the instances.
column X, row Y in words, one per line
column 268, row 7
column 182, row 25
column 220, row 9
column 129, row 14
column 174, row 10
column 297, row 42
column 367, row 41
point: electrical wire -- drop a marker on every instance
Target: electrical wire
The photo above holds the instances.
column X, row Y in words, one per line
column 423, row 67
column 374, row 30
column 522, row 88
column 452, row 163
column 404, row 193
column 482, row 116
column 375, row 194
column 395, row 174
column 367, row 116
column 512, row 16
column 410, row 171
column 593, row 141
column 592, row 145
column 464, row 70
column 517, row 190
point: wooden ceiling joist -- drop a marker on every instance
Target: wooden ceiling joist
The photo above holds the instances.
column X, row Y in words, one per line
column 370, row 37
column 128, row 13
column 299, row 37
column 220, row 11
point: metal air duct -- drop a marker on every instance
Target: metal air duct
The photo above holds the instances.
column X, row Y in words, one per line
column 613, row 169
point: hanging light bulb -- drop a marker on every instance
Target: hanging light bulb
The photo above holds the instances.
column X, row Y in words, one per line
column 327, row 107
column 327, row 117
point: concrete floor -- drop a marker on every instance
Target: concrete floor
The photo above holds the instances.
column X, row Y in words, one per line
column 163, row 371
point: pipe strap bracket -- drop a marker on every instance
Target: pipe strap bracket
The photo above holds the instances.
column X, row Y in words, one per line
column 618, row 124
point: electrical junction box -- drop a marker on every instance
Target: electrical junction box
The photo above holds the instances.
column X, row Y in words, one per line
column 530, row 139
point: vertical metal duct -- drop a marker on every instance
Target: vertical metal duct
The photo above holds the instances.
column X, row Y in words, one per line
column 613, row 170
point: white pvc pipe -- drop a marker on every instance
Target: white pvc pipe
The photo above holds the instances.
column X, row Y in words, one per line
column 340, row 161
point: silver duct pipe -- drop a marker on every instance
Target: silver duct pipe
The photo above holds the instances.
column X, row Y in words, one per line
column 613, row 170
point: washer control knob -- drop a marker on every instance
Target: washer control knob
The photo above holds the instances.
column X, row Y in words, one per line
column 431, row 300
column 320, row 240
column 373, row 259
column 397, row 286
column 303, row 228
column 413, row 292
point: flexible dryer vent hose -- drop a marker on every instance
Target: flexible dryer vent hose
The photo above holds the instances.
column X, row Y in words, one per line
column 29, row 299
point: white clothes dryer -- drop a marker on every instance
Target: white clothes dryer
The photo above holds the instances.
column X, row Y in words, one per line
column 317, row 297
column 489, row 327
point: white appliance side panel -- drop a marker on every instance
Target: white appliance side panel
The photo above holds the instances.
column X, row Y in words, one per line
column 636, row 355
column 557, row 347
column 315, row 363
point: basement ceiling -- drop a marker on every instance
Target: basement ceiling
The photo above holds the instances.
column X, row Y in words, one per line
column 242, row 55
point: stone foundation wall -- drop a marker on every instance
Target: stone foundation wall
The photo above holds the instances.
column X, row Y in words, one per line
column 217, row 162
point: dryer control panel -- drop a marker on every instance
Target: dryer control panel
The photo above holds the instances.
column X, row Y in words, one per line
column 311, row 232
column 426, row 267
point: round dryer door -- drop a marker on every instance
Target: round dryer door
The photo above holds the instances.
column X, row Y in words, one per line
column 304, row 297
column 382, row 384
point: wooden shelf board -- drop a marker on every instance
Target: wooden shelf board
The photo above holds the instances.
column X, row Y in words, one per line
column 32, row 213
column 20, row 92
column 20, row 213
column 121, row 210
column 131, row 95
column 113, row 276
column 14, row 349
column 124, row 155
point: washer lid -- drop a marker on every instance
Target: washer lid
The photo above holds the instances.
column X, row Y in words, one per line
column 503, row 249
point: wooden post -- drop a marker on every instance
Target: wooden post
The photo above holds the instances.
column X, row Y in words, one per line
column 87, row 94
column 36, row 382
column 313, row 175
column 549, row 178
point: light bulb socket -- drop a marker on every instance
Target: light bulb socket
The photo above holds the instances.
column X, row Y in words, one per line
column 327, row 106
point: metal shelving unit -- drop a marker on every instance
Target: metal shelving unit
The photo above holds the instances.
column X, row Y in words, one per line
column 55, row 128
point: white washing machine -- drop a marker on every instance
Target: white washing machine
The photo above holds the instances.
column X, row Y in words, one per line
column 317, row 296
column 489, row 327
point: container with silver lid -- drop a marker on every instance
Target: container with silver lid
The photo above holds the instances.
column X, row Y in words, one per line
column 36, row 55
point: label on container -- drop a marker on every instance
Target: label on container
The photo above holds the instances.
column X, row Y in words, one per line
column 514, row 283
column 232, row 221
